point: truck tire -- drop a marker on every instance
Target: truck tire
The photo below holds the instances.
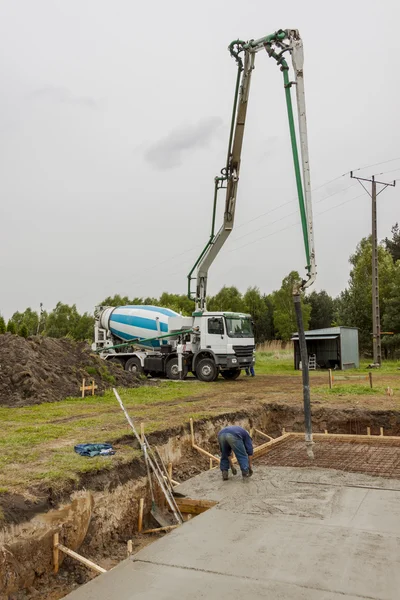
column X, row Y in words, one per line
column 206, row 370
column 172, row 371
column 134, row 366
column 231, row 374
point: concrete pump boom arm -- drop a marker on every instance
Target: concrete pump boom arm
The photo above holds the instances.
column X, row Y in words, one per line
column 276, row 45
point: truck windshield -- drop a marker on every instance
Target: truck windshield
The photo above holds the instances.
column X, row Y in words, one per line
column 239, row 327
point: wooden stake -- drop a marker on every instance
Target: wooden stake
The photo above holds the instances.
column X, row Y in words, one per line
column 170, row 471
column 370, row 379
column 140, row 518
column 83, row 387
column 368, row 430
column 191, row 430
column 381, row 430
column 330, row 379
column 92, row 387
column 129, row 548
column 142, row 432
column 56, row 552
column 211, row 463
column 283, row 431
column 326, row 431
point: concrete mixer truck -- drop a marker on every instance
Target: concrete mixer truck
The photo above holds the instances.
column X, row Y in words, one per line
column 156, row 341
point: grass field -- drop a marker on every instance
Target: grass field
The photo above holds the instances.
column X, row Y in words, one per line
column 37, row 442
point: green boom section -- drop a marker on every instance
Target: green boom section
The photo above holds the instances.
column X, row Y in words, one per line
column 296, row 162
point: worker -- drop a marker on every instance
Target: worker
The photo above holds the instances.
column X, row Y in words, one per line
column 250, row 371
column 237, row 439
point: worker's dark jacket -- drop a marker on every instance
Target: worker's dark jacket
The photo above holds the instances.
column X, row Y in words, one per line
column 242, row 434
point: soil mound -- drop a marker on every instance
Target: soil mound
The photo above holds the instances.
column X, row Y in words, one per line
column 41, row 369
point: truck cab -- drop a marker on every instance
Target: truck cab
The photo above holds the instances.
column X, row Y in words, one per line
column 224, row 344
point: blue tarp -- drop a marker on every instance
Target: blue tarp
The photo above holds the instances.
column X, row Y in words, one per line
column 94, row 449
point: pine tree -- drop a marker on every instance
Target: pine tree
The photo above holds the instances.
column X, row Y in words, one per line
column 11, row 327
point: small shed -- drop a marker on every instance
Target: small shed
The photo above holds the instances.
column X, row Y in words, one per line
column 333, row 347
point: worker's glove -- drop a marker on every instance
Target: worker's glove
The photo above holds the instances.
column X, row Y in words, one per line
column 250, row 471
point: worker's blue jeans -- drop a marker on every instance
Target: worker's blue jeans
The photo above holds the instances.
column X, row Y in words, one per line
column 227, row 443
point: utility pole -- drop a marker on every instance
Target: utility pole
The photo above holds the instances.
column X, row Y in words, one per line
column 376, row 316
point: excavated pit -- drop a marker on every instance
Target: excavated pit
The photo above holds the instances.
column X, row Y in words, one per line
column 99, row 515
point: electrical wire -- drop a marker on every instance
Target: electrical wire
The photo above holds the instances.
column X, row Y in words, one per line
column 296, row 223
column 294, row 212
column 384, row 162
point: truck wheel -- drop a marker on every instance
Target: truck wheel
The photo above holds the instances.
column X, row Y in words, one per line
column 206, row 370
column 230, row 374
column 134, row 366
column 172, row 369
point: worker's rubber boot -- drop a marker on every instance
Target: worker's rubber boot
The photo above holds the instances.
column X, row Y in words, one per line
column 245, row 473
column 234, row 470
column 225, row 475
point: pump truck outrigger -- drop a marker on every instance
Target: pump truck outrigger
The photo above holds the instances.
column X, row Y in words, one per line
column 208, row 342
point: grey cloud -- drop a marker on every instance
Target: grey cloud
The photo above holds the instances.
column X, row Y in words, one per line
column 63, row 95
column 168, row 151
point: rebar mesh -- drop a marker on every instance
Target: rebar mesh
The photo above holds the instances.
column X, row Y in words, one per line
column 357, row 456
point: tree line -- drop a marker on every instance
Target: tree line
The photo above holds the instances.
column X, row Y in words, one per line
column 273, row 314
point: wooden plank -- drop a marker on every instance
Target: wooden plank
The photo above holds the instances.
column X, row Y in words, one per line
column 56, row 552
column 194, row 507
column 140, row 516
column 205, row 453
column 166, row 528
column 172, row 481
column 170, row 471
column 263, row 434
column 264, row 448
column 82, row 559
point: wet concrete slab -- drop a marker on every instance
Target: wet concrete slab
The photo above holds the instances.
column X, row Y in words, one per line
column 287, row 533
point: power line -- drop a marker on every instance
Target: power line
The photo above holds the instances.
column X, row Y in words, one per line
column 292, row 213
column 296, row 223
column 384, row 162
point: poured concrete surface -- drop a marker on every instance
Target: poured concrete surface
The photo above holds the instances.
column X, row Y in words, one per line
column 284, row 534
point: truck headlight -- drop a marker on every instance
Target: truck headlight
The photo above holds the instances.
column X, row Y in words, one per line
column 234, row 360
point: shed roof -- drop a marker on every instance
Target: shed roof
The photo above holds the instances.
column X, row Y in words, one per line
column 327, row 331
column 316, row 337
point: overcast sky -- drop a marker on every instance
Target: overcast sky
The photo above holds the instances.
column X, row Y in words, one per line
column 114, row 119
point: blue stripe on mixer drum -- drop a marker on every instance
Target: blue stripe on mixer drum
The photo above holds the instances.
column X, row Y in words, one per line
column 140, row 322
column 163, row 311
column 128, row 337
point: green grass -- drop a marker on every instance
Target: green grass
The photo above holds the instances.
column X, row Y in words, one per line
column 275, row 363
column 349, row 390
column 37, row 442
